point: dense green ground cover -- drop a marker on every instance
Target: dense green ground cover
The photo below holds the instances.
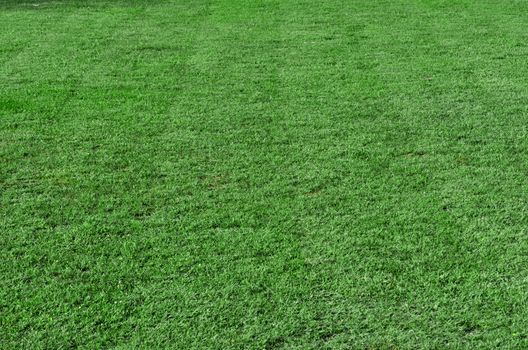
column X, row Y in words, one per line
column 290, row 174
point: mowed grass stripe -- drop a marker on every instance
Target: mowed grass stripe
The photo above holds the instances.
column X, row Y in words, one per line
column 262, row 174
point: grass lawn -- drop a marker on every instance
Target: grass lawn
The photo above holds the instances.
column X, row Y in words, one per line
column 267, row 174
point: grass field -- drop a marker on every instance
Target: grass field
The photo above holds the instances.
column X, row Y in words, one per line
column 290, row 174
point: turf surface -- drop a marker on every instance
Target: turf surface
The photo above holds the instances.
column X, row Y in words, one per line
column 292, row 174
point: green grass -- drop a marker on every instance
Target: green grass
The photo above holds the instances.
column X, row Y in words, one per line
column 289, row 174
